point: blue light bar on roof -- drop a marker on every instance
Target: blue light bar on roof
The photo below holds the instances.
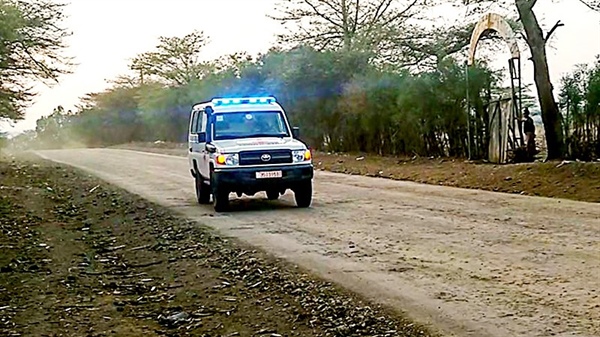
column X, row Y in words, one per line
column 243, row 100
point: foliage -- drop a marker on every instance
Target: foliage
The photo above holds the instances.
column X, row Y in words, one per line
column 359, row 76
column 31, row 41
column 174, row 61
column 342, row 101
column 580, row 105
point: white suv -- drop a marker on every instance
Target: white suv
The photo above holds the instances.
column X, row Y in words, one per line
column 245, row 145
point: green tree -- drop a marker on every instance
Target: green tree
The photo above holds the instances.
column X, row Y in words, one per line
column 373, row 119
column 31, row 45
column 310, row 83
column 579, row 100
column 571, row 99
column 175, row 60
column 592, row 110
column 50, row 129
column 116, row 112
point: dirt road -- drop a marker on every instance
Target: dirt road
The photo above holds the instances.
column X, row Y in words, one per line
column 84, row 258
column 470, row 263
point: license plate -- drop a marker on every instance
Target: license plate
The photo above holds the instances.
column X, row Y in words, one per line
column 268, row 174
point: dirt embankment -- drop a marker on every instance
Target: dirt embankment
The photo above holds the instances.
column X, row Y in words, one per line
column 567, row 180
column 83, row 258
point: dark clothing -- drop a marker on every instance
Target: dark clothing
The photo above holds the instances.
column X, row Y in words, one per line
column 528, row 125
column 529, row 130
column 530, row 142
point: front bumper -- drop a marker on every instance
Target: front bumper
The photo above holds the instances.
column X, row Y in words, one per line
column 243, row 179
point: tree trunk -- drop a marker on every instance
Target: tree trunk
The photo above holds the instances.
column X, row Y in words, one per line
column 537, row 45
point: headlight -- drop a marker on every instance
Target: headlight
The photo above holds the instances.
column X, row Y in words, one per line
column 301, row 155
column 231, row 159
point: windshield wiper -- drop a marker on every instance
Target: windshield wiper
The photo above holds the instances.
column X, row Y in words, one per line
column 257, row 135
column 226, row 137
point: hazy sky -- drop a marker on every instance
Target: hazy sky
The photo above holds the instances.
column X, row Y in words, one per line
column 107, row 33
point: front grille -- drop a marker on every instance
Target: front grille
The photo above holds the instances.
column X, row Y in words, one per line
column 254, row 157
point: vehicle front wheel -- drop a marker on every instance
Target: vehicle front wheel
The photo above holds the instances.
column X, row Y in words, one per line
column 303, row 194
column 220, row 194
column 221, row 200
column 202, row 191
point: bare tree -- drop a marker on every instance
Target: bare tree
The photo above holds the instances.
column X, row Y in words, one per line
column 537, row 40
column 344, row 24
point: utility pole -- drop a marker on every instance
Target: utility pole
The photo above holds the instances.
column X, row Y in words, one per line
column 468, row 112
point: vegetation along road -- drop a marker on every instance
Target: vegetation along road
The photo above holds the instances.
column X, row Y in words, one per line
column 470, row 263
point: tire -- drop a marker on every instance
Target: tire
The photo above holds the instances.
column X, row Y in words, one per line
column 202, row 191
column 272, row 195
column 303, row 194
column 220, row 195
column 221, row 200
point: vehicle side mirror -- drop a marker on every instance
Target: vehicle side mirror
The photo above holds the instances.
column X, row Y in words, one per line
column 296, row 132
column 210, row 148
column 201, row 137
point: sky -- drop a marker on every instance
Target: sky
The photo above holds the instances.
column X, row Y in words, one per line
column 108, row 33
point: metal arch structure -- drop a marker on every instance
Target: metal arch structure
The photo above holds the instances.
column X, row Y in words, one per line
column 503, row 127
column 497, row 23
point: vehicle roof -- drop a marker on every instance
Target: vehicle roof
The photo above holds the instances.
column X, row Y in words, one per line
column 240, row 107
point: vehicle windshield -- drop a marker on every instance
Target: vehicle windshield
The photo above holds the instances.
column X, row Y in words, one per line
column 232, row 125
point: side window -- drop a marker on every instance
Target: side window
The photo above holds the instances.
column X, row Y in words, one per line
column 194, row 121
column 203, row 123
column 197, row 121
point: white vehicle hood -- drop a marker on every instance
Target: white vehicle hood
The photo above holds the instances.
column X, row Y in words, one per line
column 263, row 143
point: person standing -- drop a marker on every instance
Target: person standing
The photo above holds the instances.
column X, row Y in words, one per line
column 529, row 130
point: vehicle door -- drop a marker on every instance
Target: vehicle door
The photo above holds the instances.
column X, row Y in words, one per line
column 196, row 139
column 203, row 135
column 192, row 136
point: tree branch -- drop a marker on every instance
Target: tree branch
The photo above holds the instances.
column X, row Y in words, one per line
column 523, row 36
column 355, row 23
column 380, row 11
column 401, row 13
column 323, row 16
column 594, row 7
column 556, row 25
